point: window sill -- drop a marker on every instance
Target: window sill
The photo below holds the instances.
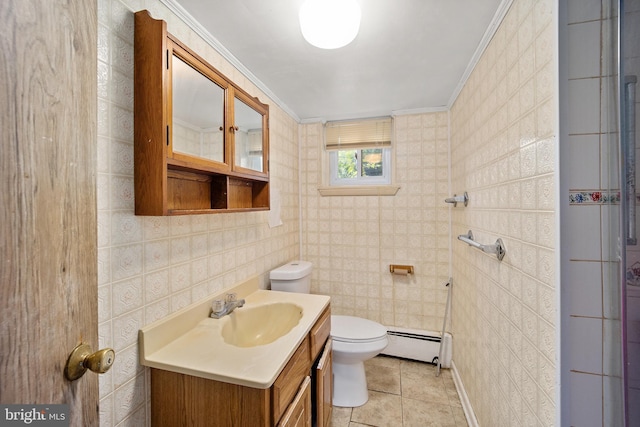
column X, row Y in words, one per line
column 359, row 190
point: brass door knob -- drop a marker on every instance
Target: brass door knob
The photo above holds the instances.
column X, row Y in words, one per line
column 82, row 358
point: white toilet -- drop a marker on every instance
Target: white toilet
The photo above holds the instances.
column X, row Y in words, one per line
column 354, row 339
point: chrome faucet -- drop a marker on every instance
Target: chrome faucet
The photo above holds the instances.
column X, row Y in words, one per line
column 220, row 308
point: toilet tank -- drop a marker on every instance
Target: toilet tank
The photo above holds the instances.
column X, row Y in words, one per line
column 292, row 277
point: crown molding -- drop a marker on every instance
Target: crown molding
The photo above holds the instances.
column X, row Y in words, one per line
column 395, row 113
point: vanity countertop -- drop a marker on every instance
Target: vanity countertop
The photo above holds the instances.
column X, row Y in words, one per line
column 190, row 342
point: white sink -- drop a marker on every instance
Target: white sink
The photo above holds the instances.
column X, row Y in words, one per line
column 190, row 342
column 252, row 326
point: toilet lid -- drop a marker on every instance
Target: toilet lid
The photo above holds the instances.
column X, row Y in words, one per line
column 349, row 328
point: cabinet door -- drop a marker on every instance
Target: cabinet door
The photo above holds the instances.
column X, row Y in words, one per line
column 324, row 387
column 196, row 112
column 286, row 385
column 299, row 412
column 320, row 333
column 250, row 135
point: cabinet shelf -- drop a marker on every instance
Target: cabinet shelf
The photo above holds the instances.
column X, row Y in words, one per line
column 200, row 193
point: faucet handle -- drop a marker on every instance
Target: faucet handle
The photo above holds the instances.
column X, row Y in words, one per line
column 231, row 297
column 217, row 306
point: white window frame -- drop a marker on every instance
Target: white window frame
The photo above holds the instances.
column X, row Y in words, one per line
column 385, row 179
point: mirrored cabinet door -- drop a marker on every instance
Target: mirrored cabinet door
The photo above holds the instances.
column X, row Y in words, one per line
column 198, row 113
column 249, row 140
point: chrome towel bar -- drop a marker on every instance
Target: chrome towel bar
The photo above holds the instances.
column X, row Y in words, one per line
column 497, row 248
column 458, row 199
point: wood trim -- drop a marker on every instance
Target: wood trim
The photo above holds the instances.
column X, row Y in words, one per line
column 150, row 133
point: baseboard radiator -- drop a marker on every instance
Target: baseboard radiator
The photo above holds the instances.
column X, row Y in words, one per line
column 418, row 345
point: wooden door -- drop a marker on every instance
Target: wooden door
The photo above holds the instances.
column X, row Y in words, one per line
column 48, row 235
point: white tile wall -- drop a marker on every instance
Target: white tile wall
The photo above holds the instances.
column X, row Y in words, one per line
column 590, row 361
column 587, row 149
column 584, row 245
column 585, row 335
column 584, row 10
column 583, row 413
column 584, row 99
column 586, row 293
column 584, row 60
column 149, row 267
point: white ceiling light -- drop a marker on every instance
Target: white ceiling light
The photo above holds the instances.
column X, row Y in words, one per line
column 330, row 24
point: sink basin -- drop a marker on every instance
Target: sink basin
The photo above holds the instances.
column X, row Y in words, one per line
column 260, row 324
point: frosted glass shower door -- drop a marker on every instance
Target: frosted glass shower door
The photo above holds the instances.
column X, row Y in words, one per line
column 629, row 72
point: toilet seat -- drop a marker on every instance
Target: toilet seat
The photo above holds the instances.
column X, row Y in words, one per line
column 351, row 329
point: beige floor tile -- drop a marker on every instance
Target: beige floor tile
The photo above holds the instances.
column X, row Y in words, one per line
column 422, row 385
column 404, row 393
column 340, row 417
column 383, row 374
column 387, row 361
column 452, row 392
column 418, row 367
column 382, row 410
column 446, row 373
column 417, row 413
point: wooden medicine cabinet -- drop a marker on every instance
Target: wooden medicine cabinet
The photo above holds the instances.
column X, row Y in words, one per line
column 201, row 143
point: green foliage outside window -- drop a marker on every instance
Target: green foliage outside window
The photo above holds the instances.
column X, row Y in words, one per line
column 347, row 164
column 371, row 163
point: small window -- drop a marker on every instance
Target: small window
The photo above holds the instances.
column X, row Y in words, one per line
column 359, row 152
column 365, row 166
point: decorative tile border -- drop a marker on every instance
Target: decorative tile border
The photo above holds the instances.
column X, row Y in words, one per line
column 594, row 197
column 633, row 274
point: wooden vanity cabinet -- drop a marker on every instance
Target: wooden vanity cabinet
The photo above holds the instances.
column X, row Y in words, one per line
column 201, row 143
column 292, row 400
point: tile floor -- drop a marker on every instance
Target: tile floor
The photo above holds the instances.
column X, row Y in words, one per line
column 404, row 393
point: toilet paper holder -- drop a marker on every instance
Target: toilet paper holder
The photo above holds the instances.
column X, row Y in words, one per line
column 401, row 269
